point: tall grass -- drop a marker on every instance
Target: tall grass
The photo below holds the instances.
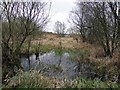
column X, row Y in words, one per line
column 34, row 79
column 87, row 83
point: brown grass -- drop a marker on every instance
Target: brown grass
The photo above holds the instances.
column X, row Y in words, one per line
column 96, row 52
column 67, row 42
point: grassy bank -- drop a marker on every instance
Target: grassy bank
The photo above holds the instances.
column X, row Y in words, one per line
column 33, row 79
column 44, row 49
column 78, row 51
column 100, row 66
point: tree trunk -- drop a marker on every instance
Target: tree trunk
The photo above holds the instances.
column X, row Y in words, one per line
column 108, row 52
column 28, row 52
column 37, row 53
column 118, row 67
column 118, row 78
column 107, row 48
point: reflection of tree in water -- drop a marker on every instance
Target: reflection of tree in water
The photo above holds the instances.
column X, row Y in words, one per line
column 60, row 52
column 37, row 50
column 28, row 57
column 60, row 30
column 28, row 50
column 37, row 55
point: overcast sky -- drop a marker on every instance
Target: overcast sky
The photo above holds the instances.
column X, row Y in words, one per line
column 60, row 11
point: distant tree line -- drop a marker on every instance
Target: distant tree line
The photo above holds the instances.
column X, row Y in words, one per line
column 60, row 28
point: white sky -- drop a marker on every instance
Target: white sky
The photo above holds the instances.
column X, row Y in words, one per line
column 60, row 11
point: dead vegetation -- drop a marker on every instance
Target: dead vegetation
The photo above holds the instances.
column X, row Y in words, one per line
column 67, row 42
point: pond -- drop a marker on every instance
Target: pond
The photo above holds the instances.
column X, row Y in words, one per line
column 52, row 64
column 61, row 66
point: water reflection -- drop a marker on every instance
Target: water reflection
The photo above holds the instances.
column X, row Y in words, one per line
column 48, row 63
column 52, row 64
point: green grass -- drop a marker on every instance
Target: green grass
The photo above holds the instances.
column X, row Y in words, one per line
column 44, row 49
column 34, row 79
column 1, row 86
column 47, row 48
column 79, row 55
column 87, row 83
column 29, row 80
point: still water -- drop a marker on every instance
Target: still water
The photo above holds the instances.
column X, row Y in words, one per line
column 60, row 66
column 52, row 64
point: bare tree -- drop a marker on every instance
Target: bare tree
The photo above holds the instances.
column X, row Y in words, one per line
column 19, row 21
column 60, row 28
column 115, row 8
column 77, row 18
column 97, row 23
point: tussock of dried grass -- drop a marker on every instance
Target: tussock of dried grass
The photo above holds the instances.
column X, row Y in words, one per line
column 34, row 79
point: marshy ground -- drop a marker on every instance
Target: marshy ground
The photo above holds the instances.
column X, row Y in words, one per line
column 92, row 71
